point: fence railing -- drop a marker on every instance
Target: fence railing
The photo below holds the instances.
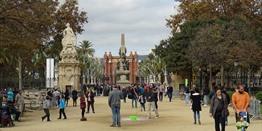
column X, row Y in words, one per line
column 255, row 109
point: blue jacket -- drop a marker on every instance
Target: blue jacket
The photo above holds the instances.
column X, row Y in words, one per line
column 62, row 103
column 10, row 96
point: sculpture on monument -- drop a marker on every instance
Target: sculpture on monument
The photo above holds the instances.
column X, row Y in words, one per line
column 69, row 68
column 122, row 71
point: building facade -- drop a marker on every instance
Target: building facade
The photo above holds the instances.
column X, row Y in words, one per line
column 111, row 65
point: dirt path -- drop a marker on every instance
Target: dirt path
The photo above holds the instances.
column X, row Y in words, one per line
column 174, row 116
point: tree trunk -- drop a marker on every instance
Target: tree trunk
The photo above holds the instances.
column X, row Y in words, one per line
column 210, row 77
column 20, row 72
column 222, row 75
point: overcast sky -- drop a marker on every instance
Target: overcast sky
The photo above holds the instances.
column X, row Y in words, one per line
column 142, row 21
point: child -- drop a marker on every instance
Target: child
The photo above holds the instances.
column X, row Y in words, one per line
column 46, row 107
column 62, row 107
column 242, row 125
column 83, row 107
column 142, row 101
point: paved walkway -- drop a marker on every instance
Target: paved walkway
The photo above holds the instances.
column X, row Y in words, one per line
column 174, row 116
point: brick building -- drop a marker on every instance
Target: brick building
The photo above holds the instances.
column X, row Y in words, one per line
column 111, row 65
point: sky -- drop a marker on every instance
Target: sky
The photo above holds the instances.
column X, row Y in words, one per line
column 142, row 21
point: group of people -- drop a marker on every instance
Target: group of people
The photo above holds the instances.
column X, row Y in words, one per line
column 219, row 107
column 60, row 100
column 143, row 94
column 11, row 107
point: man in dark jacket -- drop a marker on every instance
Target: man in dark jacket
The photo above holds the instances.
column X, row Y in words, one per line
column 114, row 102
column 151, row 103
column 169, row 92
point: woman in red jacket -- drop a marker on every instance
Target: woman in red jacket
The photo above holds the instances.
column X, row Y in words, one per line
column 83, row 106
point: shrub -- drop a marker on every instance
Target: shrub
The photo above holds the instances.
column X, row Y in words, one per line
column 259, row 95
column 230, row 93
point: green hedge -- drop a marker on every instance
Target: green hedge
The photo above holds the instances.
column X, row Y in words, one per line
column 259, row 95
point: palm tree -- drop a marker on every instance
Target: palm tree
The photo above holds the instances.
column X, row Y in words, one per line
column 85, row 53
column 152, row 66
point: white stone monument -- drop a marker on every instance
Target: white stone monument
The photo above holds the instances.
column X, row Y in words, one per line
column 69, row 67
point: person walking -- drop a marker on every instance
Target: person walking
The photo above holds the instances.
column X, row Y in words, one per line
column 46, row 107
column 90, row 100
column 206, row 93
column 142, row 101
column 114, row 102
column 134, row 93
column 170, row 92
column 82, row 107
column 67, row 97
column 19, row 104
column 161, row 92
column 218, row 110
column 62, row 107
column 187, row 95
column 240, row 102
column 196, row 105
column 124, row 91
column 151, row 103
column 74, row 97
column 155, row 96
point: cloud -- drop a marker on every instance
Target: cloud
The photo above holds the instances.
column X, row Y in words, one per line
column 142, row 21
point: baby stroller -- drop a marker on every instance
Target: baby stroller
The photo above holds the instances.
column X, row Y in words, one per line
column 242, row 124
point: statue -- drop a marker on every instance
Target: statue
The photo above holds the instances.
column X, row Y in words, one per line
column 69, row 40
column 122, row 52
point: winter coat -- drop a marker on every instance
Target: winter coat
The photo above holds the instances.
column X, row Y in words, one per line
column 196, row 102
column 214, row 105
column 114, row 98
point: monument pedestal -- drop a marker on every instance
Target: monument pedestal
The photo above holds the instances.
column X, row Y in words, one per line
column 69, row 76
column 69, row 66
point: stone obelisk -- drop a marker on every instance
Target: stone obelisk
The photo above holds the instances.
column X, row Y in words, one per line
column 122, row 72
column 69, row 67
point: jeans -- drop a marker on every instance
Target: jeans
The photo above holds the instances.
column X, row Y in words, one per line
column 196, row 116
column 134, row 100
column 187, row 98
column 47, row 115
column 62, row 111
column 206, row 99
column 151, row 105
column 219, row 120
column 90, row 103
column 116, row 115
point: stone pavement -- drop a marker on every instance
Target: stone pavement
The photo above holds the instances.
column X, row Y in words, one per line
column 174, row 116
